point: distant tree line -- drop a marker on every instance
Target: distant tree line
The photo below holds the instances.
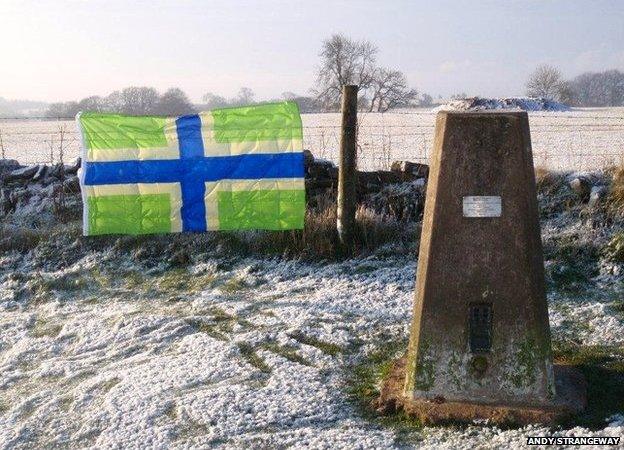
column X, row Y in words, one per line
column 174, row 102
column 246, row 96
column 131, row 100
column 587, row 89
column 143, row 100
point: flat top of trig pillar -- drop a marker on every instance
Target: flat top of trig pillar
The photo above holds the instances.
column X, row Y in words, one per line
column 486, row 112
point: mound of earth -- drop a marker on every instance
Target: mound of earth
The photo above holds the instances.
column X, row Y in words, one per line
column 519, row 103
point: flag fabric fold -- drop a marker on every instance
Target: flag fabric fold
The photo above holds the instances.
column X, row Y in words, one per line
column 226, row 169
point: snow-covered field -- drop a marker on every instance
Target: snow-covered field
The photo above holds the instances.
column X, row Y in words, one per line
column 243, row 354
column 581, row 139
column 105, row 347
column 116, row 343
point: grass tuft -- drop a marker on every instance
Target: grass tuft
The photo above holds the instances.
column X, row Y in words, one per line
column 374, row 231
column 43, row 328
column 211, row 329
column 544, row 178
column 107, row 385
column 574, row 261
column 616, row 196
column 319, row 238
column 614, row 249
column 171, row 411
column 65, row 402
column 180, row 280
column 288, row 352
column 363, row 384
column 554, row 193
column 233, row 285
column 19, row 239
column 326, row 347
column 250, row 355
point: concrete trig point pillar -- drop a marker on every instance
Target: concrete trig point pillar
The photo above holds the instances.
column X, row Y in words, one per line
column 480, row 340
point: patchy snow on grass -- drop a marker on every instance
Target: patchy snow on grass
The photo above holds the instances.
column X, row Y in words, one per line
column 253, row 353
column 589, row 322
column 132, row 372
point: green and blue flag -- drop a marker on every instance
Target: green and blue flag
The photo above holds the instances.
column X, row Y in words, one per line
column 226, row 169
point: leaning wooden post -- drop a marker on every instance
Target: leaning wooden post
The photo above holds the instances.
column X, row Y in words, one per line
column 346, row 171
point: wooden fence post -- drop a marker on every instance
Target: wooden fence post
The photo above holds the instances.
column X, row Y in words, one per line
column 346, row 170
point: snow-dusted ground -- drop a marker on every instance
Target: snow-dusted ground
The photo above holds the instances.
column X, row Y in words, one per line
column 581, row 139
column 247, row 353
column 108, row 343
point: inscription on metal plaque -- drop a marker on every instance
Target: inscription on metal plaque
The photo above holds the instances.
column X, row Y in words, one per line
column 482, row 206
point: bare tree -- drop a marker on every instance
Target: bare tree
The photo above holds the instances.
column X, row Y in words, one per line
column 343, row 61
column 567, row 93
column 214, row 101
column 131, row 100
column 426, row 99
column 114, row 102
column 245, row 96
column 94, row 103
column 138, row 100
column 389, row 89
column 306, row 104
column 62, row 110
column 599, row 89
column 546, row 81
column 174, row 102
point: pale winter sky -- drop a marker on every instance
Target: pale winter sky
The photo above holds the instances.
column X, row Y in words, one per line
column 61, row 50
